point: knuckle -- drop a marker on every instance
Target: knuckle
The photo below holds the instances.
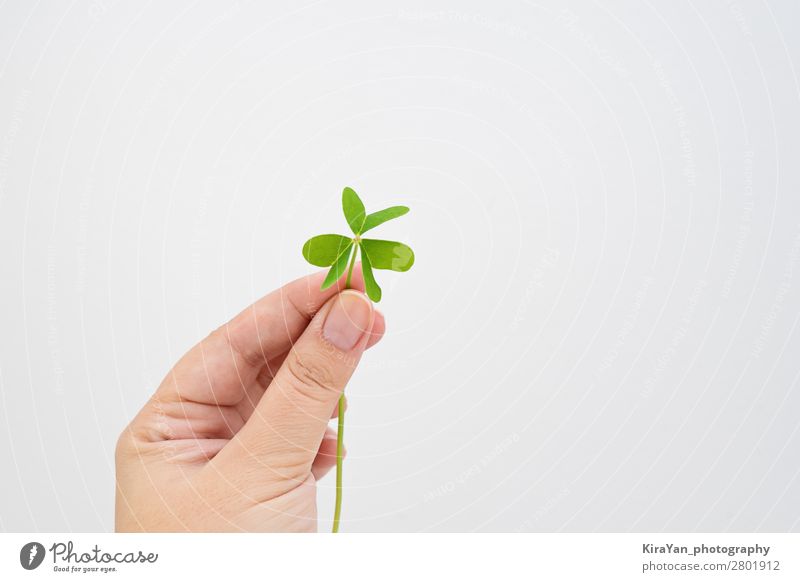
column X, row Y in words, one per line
column 223, row 336
column 313, row 376
column 290, row 466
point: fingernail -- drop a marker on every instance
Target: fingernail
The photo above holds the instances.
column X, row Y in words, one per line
column 347, row 320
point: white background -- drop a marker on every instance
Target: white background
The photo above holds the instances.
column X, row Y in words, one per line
column 600, row 329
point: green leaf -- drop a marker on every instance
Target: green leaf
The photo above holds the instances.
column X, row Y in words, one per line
column 387, row 254
column 370, row 285
column 339, row 267
column 354, row 210
column 323, row 250
column 382, row 216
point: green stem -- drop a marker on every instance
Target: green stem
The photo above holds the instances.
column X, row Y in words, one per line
column 340, row 425
column 339, row 441
column 350, row 266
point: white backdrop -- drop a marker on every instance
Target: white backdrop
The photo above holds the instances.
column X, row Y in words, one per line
column 600, row 330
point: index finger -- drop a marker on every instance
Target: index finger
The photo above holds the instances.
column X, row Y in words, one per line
column 219, row 368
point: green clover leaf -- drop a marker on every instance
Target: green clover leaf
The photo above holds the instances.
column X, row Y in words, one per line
column 354, row 210
column 339, row 252
column 377, row 218
column 323, row 250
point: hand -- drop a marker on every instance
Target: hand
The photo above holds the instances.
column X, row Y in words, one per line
column 236, row 435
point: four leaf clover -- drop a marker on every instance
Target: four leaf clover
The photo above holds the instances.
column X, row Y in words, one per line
column 339, row 252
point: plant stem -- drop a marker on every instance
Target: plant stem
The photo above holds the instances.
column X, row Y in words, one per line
column 340, row 425
column 339, row 440
column 350, row 266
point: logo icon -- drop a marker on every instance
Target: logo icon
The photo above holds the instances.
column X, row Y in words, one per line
column 31, row 555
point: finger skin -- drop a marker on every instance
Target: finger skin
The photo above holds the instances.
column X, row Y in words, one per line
column 184, row 464
column 231, row 357
column 279, row 442
column 210, row 401
column 326, row 455
column 272, row 324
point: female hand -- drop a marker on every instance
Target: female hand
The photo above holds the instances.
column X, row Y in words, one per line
column 236, row 436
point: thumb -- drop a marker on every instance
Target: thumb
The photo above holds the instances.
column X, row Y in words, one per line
column 280, row 440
